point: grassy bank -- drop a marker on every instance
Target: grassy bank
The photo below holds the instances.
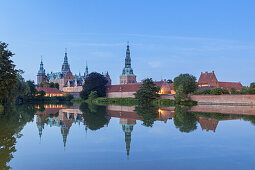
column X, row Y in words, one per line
column 116, row 101
column 134, row 102
column 77, row 100
column 44, row 99
column 168, row 102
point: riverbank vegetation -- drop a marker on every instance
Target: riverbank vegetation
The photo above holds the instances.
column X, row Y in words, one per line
column 220, row 91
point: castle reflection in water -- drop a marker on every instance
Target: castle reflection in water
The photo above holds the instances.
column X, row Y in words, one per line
column 64, row 118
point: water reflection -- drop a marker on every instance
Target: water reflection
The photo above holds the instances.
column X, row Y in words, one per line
column 12, row 122
column 92, row 117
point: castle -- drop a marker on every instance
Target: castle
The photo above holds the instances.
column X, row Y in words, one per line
column 68, row 82
column 72, row 84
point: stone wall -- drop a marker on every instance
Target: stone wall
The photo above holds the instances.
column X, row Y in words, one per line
column 225, row 109
column 120, row 94
column 219, row 99
column 224, row 99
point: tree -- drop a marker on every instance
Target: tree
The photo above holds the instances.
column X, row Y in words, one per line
column 20, row 91
column 233, row 91
column 8, row 73
column 45, row 84
column 147, row 92
column 95, row 116
column 42, row 93
column 52, row 85
column 252, row 85
column 219, row 91
column 148, row 113
column 184, row 121
column 184, row 84
column 56, row 85
column 169, row 81
column 92, row 96
column 32, row 89
column 94, row 82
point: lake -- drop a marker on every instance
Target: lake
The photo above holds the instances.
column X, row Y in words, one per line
column 121, row 137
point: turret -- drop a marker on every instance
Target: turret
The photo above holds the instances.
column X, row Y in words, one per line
column 65, row 65
column 41, row 76
column 127, row 75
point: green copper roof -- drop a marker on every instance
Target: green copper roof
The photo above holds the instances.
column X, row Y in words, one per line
column 127, row 71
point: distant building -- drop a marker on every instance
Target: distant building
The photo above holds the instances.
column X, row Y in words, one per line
column 50, row 92
column 209, row 80
column 127, row 75
column 128, row 90
column 41, row 76
column 68, row 82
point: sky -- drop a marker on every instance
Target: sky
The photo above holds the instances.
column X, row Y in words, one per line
column 166, row 37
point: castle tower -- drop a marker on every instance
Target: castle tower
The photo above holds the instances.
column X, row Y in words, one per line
column 127, row 73
column 107, row 76
column 86, row 70
column 65, row 65
column 41, row 76
column 127, row 127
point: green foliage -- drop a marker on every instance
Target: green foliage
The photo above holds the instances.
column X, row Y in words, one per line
column 52, row 85
column 32, row 89
column 20, row 91
column 8, row 73
column 248, row 90
column 169, row 81
column 148, row 112
column 1, row 109
column 205, row 91
column 67, row 97
column 42, row 93
column 184, row 121
column 116, row 101
column 56, row 85
column 169, row 103
column 180, row 94
column 147, row 92
column 94, row 82
column 233, row 91
column 219, row 91
column 11, row 125
column 163, row 102
column 95, row 116
column 92, row 96
column 252, row 85
column 185, row 83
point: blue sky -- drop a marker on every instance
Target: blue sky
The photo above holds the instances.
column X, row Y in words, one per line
column 166, row 37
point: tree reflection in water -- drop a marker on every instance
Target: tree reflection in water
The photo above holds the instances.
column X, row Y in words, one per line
column 95, row 116
column 184, row 121
column 11, row 123
column 148, row 112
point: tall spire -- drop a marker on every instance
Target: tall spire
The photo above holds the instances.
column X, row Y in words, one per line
column 41, row 70
column 87, row 69
column 127, row 59
column 128, row 71
column 65, row 65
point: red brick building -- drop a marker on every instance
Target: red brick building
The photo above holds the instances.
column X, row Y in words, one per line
column 209, row 80
column 128, row 90
column 50, row 92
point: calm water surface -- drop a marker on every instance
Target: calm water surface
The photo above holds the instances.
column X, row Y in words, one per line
column 114, row 137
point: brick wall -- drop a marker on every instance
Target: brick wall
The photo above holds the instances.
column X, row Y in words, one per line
column 224, row 99
column 225, row 109
column 120, row 94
